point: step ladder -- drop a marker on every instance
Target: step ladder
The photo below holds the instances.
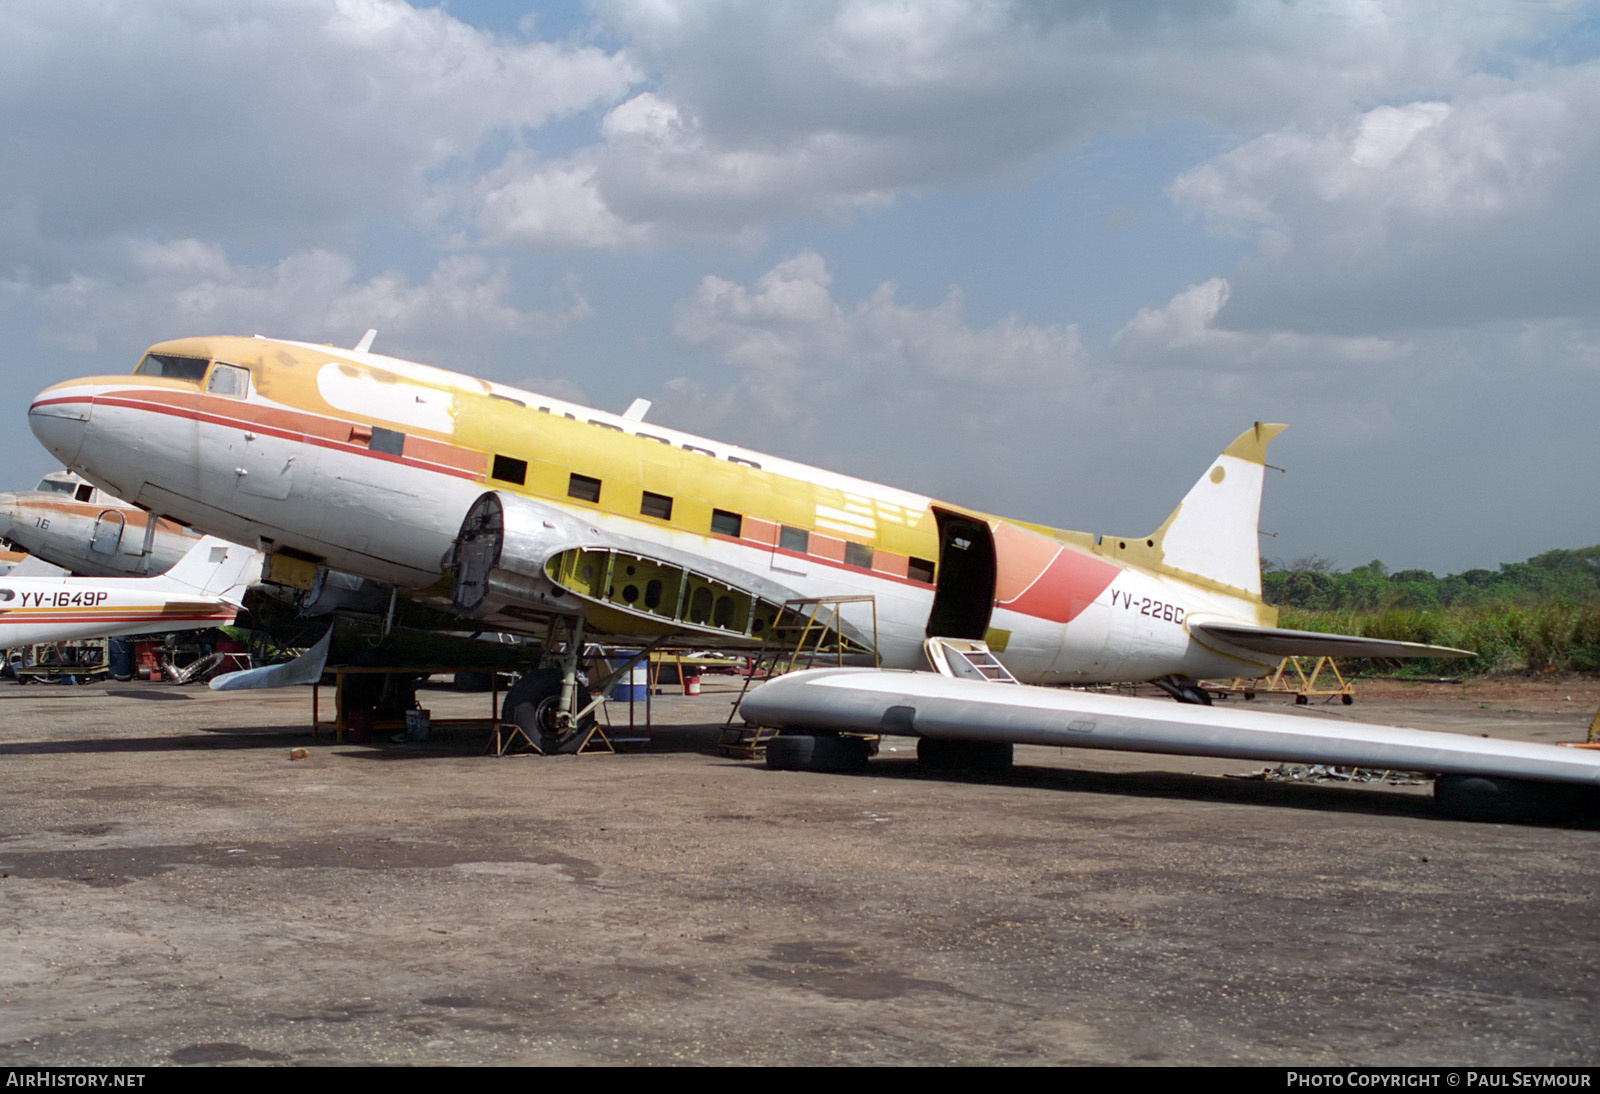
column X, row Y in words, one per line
column 809, row 634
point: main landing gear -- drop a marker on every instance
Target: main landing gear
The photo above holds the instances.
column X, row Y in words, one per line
column 535, row 703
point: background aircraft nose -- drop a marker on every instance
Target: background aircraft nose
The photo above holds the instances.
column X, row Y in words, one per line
column 60, row 421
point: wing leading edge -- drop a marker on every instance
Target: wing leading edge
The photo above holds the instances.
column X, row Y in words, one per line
column 924, row 704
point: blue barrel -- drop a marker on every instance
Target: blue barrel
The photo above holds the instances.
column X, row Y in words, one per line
column 119, row 658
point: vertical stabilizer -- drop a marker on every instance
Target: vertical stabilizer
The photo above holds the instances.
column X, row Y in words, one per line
column 1213, row 534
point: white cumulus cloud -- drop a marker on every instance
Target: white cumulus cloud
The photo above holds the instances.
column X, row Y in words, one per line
column 1416, row 215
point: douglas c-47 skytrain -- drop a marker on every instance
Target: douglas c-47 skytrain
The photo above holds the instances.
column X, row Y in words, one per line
column 512, row 509
column 520, row 507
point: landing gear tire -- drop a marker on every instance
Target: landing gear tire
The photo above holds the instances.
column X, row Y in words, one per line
column 534, row 702
column 824, row 752
column 1184, row 690
column 1501, row 800
column 983, row 757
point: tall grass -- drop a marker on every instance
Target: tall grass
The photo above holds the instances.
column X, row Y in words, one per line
column 1549, row 636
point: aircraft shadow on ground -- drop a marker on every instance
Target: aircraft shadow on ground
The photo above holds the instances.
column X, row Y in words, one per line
column 201, row 740
column 1271, row 793
column 460, row 742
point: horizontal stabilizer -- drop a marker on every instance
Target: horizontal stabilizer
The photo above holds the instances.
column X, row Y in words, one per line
column 925, row 704
column 1280, row 642
column 214, row 567
column 305, row 669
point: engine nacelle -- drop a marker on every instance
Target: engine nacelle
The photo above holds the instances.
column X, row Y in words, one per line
column 499, row 556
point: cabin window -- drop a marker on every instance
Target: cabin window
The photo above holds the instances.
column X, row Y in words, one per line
column 656, row 505
column 7, row 594
column 230, row 380
column 797, row 540
column 920, row 569
column 171, row 365
column 583, row 488
column 856, row 554
column 724, row 523
column 509, row 399
column 509, row 469
column 387, row 440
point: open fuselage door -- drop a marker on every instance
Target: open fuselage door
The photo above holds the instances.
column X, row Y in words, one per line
column 963, row 596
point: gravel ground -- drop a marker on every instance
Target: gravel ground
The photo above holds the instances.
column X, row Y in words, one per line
column 178, row 890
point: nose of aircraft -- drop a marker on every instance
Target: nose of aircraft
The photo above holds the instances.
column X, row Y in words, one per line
column 59, row 417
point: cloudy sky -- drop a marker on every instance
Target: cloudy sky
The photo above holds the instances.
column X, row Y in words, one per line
column 1043, row 258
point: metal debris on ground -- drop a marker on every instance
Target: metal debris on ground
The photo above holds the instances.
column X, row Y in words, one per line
column 1324, row 773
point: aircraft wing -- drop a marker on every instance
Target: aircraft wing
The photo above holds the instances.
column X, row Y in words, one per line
column 34, row 566
column 1281, row 642
column 925, row 704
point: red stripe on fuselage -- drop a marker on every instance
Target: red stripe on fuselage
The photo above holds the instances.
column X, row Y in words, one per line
column 302, row 428
column 1067, row 586
column 171, row 403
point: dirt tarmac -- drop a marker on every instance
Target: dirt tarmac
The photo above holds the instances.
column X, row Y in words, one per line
column 175, row 889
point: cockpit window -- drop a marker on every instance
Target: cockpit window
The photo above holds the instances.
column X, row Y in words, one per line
column 166, row 364
column 229, row 380
column 54, row 486
column 84, row 493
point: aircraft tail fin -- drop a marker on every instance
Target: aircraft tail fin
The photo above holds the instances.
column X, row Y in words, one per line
column 1212, row 536
column 215, row 567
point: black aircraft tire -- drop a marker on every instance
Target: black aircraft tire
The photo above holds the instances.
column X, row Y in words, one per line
column 532, row 703
column 988, row 757
column 1502, row 800
column 816, row 752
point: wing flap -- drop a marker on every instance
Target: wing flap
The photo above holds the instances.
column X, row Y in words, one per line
column 305, row 669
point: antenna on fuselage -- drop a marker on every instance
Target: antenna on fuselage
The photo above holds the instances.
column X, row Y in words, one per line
column 636, row 410
column 366, row 341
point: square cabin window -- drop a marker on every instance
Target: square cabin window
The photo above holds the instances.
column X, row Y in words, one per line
column 920, row 569
column 510, row 469
column 583, row 487
column 856, row 554
column 390, row 441
column 724, row 523
column 797, row 540
column 656, row 505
